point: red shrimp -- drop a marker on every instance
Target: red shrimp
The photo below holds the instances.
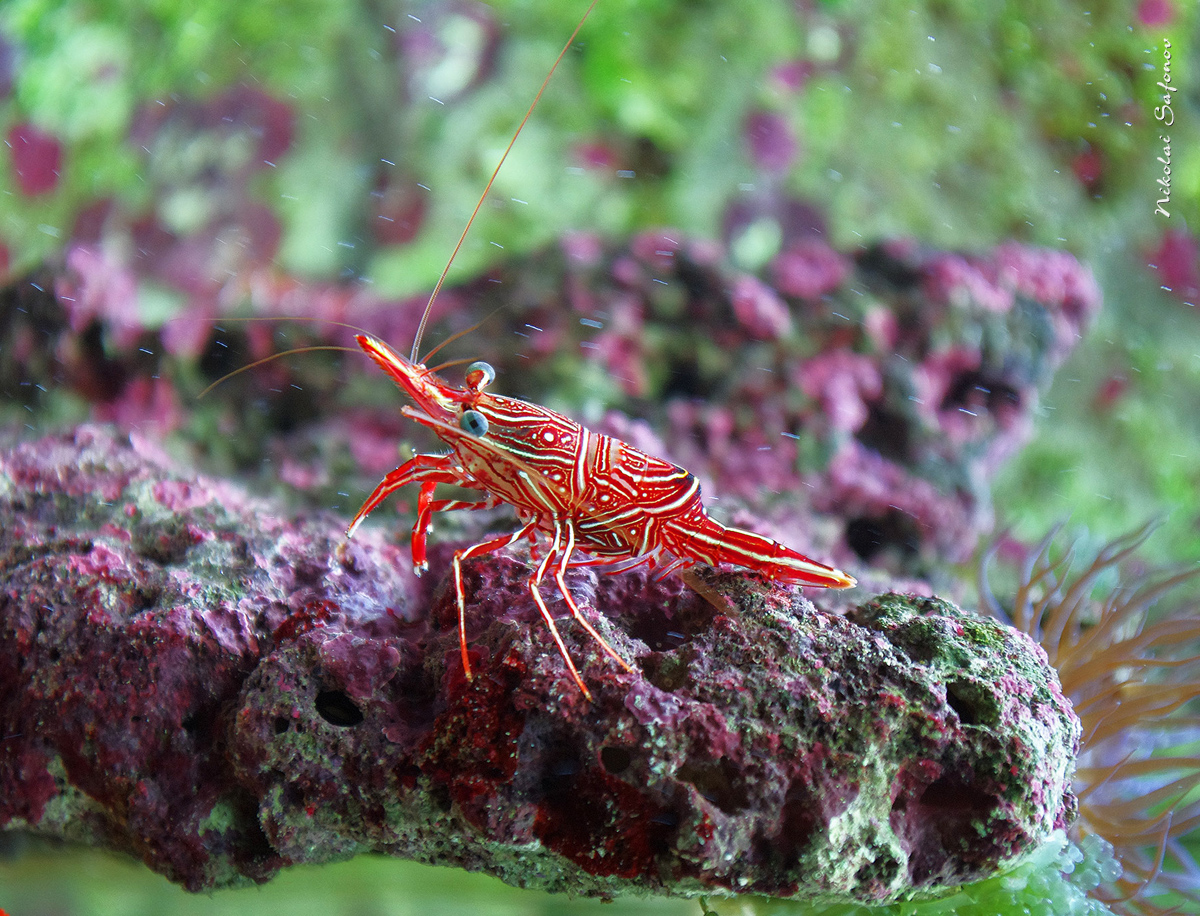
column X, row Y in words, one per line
column 573, row 489
column 578, row 489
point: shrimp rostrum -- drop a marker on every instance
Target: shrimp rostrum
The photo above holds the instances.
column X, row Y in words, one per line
column 573, row 490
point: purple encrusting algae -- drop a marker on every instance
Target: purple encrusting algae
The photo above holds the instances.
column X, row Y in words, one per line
column 195, row 678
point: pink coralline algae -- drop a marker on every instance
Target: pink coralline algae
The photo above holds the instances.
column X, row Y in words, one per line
column 193, row 678
column 98, row 288
column 809, row 269
column 844, row 383
column 1016, row 273
column 1155, row 13
column 35, row 159
column 1176, row 261
column 771, row 141
column 759, row 308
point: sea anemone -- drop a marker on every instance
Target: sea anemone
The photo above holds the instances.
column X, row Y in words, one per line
column 1125, row 638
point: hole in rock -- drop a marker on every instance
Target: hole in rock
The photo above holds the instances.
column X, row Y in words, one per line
column 945, row 829
column 973, row 702
column 718, row 781
column 338, row 709
column 615, row 759
column 559, row 777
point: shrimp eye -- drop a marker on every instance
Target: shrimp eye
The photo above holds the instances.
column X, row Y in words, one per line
column 473, row 422
column 480, row 375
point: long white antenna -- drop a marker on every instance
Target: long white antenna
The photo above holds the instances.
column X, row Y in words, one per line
column 416, row 347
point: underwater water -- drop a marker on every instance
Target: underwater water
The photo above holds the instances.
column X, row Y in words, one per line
column 171, row 165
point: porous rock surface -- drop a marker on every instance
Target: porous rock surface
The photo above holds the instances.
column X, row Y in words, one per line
column 191, row 676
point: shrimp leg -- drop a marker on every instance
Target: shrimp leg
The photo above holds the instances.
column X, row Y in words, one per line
column 535, row 583
column 426, row 506
column 559, row 573
column 435, row 468
column 489, row 546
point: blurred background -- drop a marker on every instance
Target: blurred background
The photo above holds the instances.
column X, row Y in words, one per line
column 172, row 159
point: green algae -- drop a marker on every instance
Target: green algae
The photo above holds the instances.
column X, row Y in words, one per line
column 908, row 95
